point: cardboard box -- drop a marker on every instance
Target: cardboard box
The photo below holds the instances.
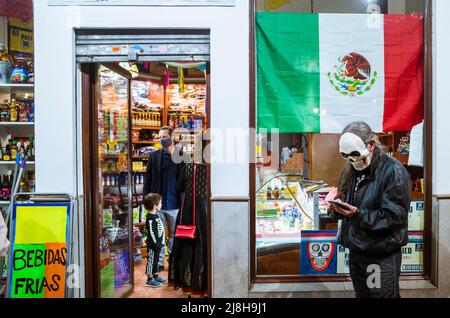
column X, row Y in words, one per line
column 342, row 260
column 416, row 216
column 412, row 254
column 21, row 41
column 318, row 253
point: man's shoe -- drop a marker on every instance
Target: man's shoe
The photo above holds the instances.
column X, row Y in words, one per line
column 159, row 279
column 151, row 282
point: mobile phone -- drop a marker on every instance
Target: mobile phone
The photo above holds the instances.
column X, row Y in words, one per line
column 337, row 202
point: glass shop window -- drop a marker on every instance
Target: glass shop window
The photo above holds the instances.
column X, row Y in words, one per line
column 321, row 65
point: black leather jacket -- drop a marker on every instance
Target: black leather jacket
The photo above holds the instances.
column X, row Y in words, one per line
column 380, row 225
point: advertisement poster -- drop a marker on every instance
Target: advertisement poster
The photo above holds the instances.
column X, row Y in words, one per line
column 416, row 216
column 20, row 41
column 412, row 253
column 39, row 250
column 342, row 260
column 318, row 253
column 186, row 3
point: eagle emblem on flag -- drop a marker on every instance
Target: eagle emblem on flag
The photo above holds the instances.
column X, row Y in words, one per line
column 353, row 75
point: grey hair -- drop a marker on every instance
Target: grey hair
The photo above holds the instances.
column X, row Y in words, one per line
column 363, row 131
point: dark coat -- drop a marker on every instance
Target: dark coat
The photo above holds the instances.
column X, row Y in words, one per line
column 153, row 176
column 380, row 225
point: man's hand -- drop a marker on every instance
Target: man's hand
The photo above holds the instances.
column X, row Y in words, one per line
column 344, row 208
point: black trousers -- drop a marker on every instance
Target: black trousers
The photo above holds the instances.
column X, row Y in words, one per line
column 376, row 276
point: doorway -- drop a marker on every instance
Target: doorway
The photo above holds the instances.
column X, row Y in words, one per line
column 131, row 86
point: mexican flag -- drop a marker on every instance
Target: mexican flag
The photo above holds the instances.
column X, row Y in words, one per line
column 320, row 72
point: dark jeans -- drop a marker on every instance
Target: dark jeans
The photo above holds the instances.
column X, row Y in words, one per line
column 376, row 276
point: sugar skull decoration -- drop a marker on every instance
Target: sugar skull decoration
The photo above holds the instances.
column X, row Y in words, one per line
column 320, row 254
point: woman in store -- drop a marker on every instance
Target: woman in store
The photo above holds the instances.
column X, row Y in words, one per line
column 374, row 199
column 188, row 262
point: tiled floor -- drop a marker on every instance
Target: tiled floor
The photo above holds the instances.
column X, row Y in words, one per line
column 142, row 291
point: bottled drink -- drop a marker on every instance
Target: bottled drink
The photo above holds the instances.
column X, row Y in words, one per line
column 6, row 187
column 5, row 113
column 31, row 115
column 23, row 112
column 14, row 110
column 30, row 150
column 269, row 191
column 7, row 152
column 14, row 150
column 5, row 64
column 19, row 73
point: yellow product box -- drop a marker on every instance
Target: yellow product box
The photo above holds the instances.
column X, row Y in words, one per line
column 293, row 189
column 138, row 165
column 20, row 41
column 21, row 23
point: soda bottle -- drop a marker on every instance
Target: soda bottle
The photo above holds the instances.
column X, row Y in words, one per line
column 19, row 73
column 23, row 113
column 14, row 110
column 5, row 113
column 14, row 150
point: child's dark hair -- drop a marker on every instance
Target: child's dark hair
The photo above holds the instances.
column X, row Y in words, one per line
column 151, row 200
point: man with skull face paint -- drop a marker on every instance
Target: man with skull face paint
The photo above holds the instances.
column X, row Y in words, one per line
column 374, row 192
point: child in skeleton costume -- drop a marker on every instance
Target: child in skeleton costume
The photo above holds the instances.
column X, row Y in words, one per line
column 374, row 192
column 155, row 239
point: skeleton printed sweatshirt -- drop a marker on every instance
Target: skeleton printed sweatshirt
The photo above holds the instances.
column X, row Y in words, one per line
column 155, row 232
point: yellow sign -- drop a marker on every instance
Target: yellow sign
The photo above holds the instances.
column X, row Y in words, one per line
column 41, row 224
column 20, row 41
column 275, row 4
column 20, row 23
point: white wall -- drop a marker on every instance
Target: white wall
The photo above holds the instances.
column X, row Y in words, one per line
column 55, row 83
column 441, row 98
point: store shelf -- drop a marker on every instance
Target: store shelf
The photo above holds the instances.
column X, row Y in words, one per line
column 416, row 196
column 13, row 163
column 12, row 85
column 142, row 142
column 7, row 123
column 5, row 202
column 146, row 127
column 403, row 158
column 140, row 158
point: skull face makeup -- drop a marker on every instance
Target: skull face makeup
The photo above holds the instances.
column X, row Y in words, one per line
column 355, row 151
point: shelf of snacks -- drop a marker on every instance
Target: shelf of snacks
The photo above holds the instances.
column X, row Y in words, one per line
column 146, row 142
column 146, row 127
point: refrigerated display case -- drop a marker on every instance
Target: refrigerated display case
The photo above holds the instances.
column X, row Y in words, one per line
column 285, row 205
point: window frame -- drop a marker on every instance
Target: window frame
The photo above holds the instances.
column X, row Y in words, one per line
column 428, row 168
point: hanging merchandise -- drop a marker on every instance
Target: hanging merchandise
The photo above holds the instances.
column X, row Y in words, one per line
column 181, row 81
column 166, row 77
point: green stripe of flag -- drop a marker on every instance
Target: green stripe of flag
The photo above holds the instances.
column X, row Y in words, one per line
column 288, row 72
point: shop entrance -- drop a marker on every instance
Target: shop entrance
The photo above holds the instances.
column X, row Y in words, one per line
column 133, row 89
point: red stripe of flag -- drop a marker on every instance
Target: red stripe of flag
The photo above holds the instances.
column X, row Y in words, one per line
column 403, row 58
